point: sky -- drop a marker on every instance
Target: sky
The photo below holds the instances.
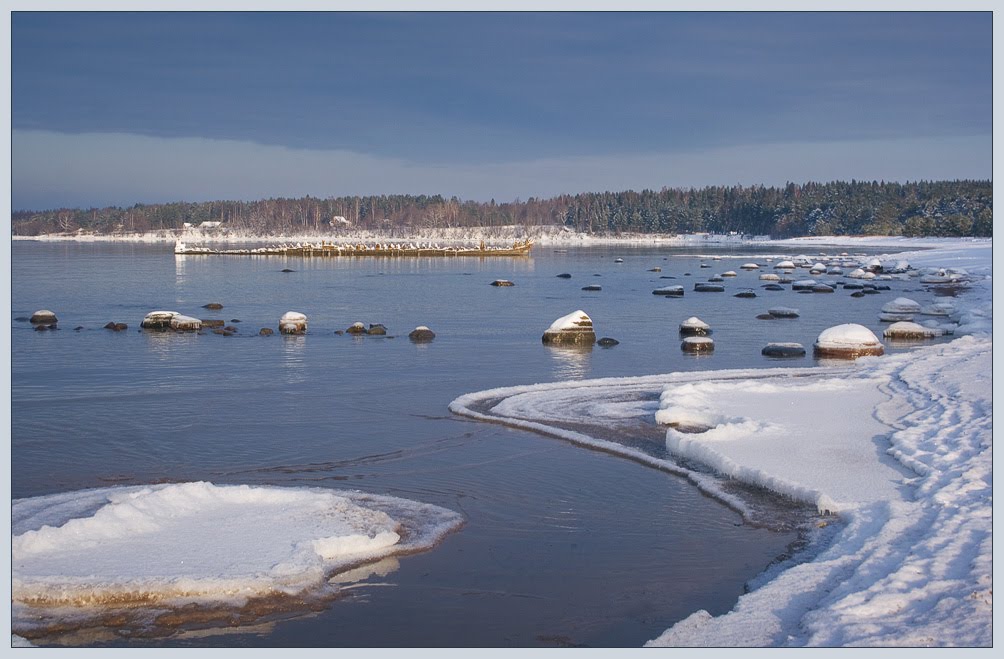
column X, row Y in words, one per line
column 113, row 108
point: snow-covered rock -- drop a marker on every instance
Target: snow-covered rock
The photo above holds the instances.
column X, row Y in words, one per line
column 43, row 317
column 574, row 329
column 673, row 291
column 421, row 334
column 908, row 330
column 182, row 323
column 293, row 322
column 849, row 340
column 158, row 320
column 901, row 305
column 694, row 326
column 697, row 344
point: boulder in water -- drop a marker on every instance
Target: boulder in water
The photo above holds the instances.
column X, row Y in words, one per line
column 847, row 341
column 159, row 320
column 697, row 344
column 43, row 317
column 694, row 326
column 574, row 329
column 293, row 322
column 421, row 334
column 182, row 323
column 783, row 350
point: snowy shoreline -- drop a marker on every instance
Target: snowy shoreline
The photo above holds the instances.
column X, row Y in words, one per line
column 899, row 447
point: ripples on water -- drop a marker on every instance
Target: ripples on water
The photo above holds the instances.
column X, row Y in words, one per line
column 563, row 546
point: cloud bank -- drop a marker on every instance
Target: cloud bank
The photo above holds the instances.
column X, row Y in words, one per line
column 52, row 169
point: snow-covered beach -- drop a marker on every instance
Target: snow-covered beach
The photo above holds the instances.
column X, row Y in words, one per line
column 899, row 447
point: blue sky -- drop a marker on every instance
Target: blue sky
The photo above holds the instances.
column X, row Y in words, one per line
column 118, row 108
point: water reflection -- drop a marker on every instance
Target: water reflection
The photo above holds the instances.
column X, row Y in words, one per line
column 293, row 358
column 179, row 269
column 163, row 345
column 570, row 362
column 381, row 568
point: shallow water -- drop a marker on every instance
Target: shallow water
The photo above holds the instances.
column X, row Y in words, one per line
column 562, row 545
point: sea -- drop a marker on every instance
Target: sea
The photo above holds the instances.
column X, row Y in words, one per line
column 562, row 546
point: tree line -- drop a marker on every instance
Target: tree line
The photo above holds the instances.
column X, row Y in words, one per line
column 924, row 208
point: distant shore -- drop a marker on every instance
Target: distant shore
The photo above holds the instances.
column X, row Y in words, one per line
column 544, row 236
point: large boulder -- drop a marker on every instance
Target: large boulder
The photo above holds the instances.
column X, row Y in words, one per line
column 574, row 329
column 847, row 341
column 293, row 322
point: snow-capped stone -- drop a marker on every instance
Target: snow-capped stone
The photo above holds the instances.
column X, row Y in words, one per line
column 293, row 322
column 697, row 344
column 421, row 334
column 803, row 285
column 158, row 320
column 783, row 312
column 785, row 265
column 769, row 276
column 901, row 305
column 576, row 328
column 673, row 291
column 908, row 330
column 694, row 326
column 749, row 266
column 849, row 340
column 43, row 317
column 183, row 323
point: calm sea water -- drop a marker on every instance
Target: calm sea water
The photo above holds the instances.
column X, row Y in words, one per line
column 562, row 546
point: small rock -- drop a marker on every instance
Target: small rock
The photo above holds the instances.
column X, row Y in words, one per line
column 117, row 327
column 230, row 328
column 669, row 291
column 377, row 329
column 502, row 282
column 748, row 293
column 655, row 269
column 765, row 316
column 212, row 305
column 356, row 328
column 564, row 275
column 287, row 270
column 783, row 350
column 783, row 312
column 708, row 288
column 607, row 342
column 265, row 331
column 592, row 287
column 213, row 324
column 78, row 328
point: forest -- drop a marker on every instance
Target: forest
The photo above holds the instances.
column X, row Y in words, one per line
column 925, row 208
